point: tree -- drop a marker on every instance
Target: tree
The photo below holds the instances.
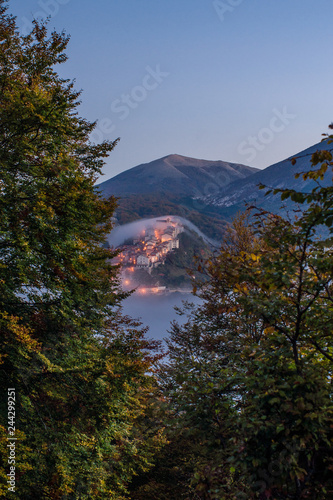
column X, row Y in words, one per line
column 81, row 371
column 249, row 375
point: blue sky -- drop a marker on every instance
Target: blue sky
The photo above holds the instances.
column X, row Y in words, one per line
column 247, row 81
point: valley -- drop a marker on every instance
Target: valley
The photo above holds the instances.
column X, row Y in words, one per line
column 157, row 251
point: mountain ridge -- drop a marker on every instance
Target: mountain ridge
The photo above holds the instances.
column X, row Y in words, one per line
column 206, row 192
column 182, row 175
column 280, row 175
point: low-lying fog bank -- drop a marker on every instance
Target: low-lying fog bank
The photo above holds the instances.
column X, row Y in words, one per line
column 157, row 311
column 120, row 234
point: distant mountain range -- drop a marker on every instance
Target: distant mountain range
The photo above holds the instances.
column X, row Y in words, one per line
column 205, row 192
column 176, row 175
column 281, row 175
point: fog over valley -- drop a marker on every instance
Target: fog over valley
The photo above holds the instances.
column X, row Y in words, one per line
column 120, row 234
column 157, row 311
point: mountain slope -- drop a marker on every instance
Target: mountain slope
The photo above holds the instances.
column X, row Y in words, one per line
column 175, row 175
column 280, row 175
column 179, row 185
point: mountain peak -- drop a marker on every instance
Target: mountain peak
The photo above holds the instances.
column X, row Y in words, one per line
column 175, row 174
column 177, row 157
column 174, row 156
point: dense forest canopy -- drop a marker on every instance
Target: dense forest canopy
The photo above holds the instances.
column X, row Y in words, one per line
column 81, row 372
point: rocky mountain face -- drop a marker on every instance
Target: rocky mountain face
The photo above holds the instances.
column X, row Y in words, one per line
column 227, row 201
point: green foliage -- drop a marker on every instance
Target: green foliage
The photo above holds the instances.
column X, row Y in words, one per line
column 249, row 374
column 81, row 371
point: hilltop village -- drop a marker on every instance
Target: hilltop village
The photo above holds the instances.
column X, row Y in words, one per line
column 149, row 249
